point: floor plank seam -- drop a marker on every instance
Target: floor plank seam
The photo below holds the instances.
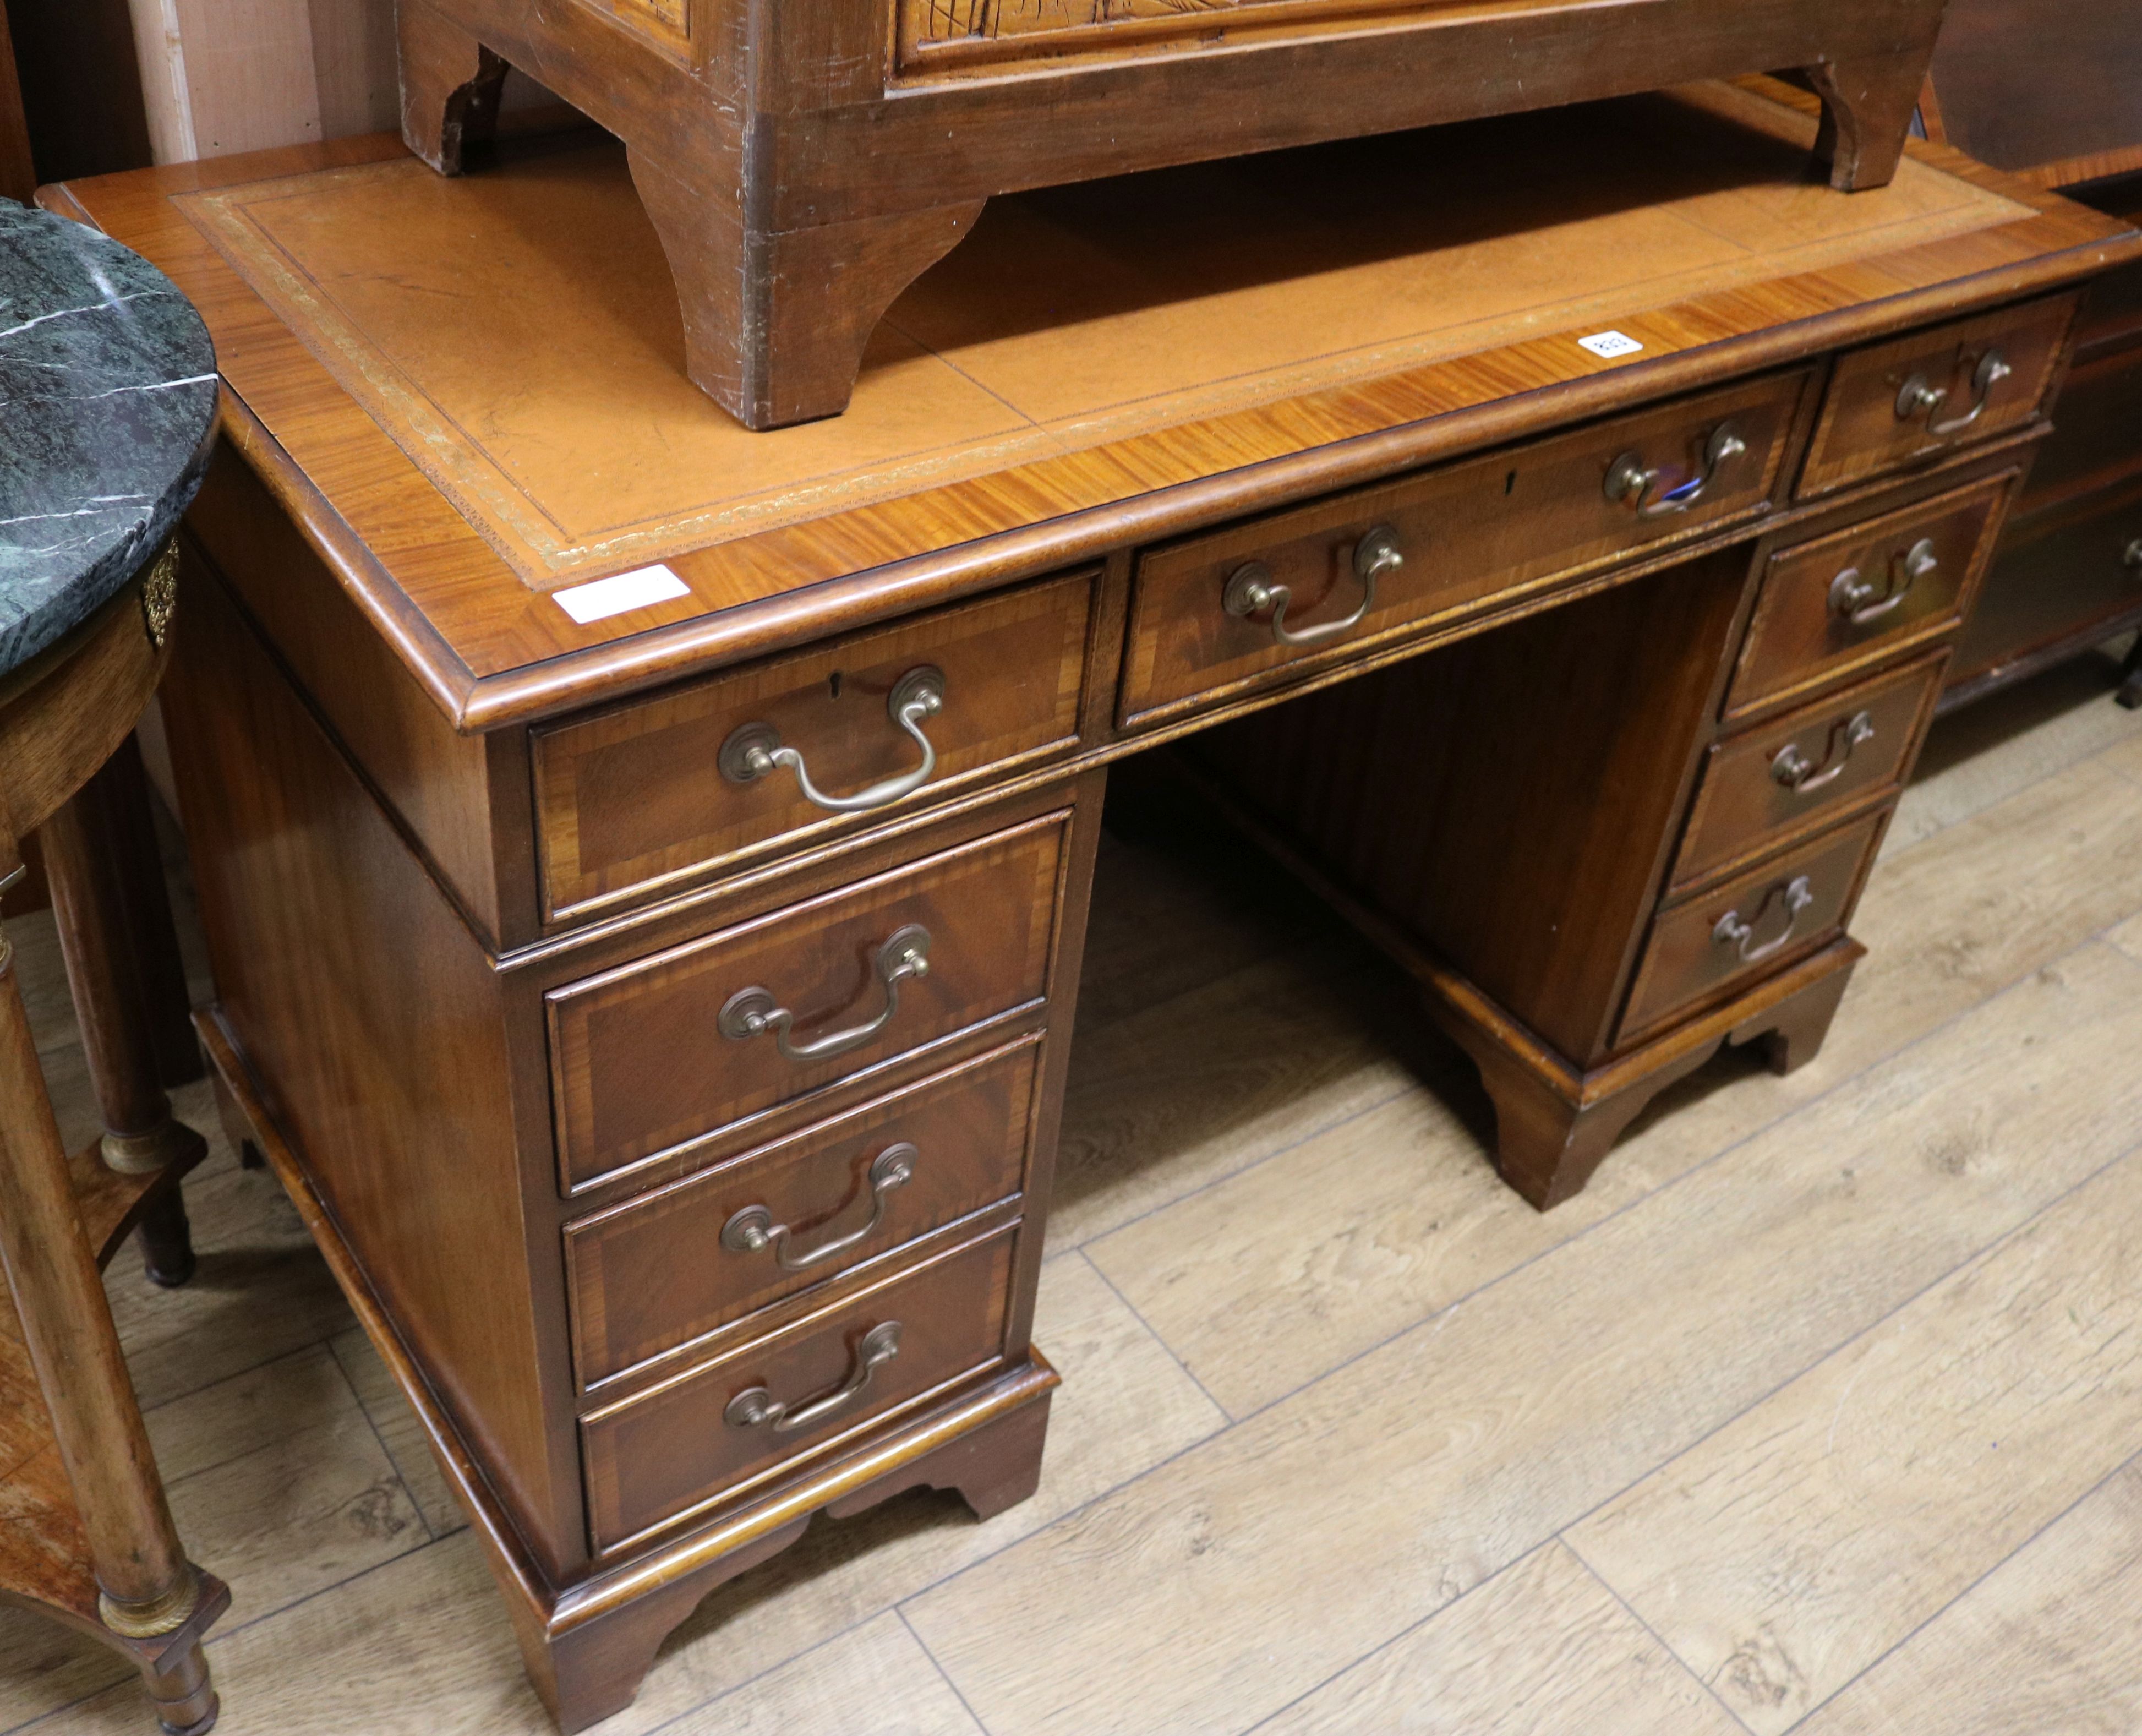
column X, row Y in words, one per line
column 1250, row 1167
column 1630, row 1609
column 944, row 1675
column 2127, row 1154
column 385, row 1451
column 1399, row 1637
column 1188, row 1374
column 1904, row 1640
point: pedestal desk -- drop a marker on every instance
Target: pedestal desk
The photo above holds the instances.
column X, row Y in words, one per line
column 645, row 862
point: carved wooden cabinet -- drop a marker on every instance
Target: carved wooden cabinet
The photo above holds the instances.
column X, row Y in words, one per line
column 804, row 161
column 645, row 862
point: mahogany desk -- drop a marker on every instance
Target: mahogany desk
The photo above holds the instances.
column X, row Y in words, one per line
column 685, row 1144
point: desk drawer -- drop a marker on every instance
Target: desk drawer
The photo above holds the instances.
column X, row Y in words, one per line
column 640, row 794
column 2097, row 429
column 1769, row 783
column 660, row 1053
column 2057, row 578
column 655, row 1458
column 1750, row 926
column 667, row 1268
column 1842, row 602
column 1880, row 411
column 1485, row 528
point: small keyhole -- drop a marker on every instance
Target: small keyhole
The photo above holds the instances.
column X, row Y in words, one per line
column 833, row 685
column 1510, row 483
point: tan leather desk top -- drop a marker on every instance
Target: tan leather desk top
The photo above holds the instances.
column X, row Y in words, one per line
column 470, row 392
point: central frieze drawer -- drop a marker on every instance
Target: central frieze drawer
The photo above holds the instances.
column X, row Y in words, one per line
column 655, row 1458
column 1379, row 563
column 631, row 798
column 667, row 1268
column 654, row 1055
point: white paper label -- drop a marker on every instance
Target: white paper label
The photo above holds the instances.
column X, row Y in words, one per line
column 1610, row 345
column 606, row 597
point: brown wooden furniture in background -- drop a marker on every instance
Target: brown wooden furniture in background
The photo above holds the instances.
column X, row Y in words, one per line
column 804, row 163
column 18, row 177
column 2052, row 90
column 1592, row 534
column 89, row 1537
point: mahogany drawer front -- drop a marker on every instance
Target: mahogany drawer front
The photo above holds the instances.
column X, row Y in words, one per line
column 1793, row 774
column 2097, row 429
column 2058, row 582
column 653, row 1459
column 1876, row 417
column 636, row 795
column 1476, row 530
column 1750, row 925
column 644, row 1062
column 1840, row 602
column 669, row 1267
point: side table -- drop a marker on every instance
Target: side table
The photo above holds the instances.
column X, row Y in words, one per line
column 108, row 408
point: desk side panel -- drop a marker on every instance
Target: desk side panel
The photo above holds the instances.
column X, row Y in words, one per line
column 373, row 1023
column 438, row 782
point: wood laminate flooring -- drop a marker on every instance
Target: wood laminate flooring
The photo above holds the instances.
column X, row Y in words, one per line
column 1821, row 1410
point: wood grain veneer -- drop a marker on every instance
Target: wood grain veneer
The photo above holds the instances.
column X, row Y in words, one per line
column 1803, row 634
column 638, row 1068
column 654, row 1272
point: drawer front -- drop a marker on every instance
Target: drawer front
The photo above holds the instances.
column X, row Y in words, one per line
column 640, row 794
column 656, row 1458
column 1768, row 784
column 2097, row 429
column 1750, row 926
column 2058, row 584
column 1481, row 529
column 667, row 1269
column 655, row 1055
column 1881, row 411
column 1841, row 602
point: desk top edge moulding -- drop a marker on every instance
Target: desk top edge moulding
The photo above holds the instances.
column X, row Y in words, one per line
column 869, row 517
column 804, row 162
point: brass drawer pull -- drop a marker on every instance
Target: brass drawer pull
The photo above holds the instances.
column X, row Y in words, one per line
column 1920, row 397
column 1731, row 931
column 751, row 1229
column 755, row 1408
column 1859, row 603
column 1631, row 480
column 1800, row 774
column 2133, row 557
column 753, row 750
column 753, row 1012
column 1251, row 591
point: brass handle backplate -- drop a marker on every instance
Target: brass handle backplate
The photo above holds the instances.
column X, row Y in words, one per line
column 1630, row 481
column 1251, row 590
column 753, row 1012
column 1731, row 931
column 1801, row 776
column 1919, row 397
column 753, row 751
column 1856, row 600
column 751, row 1229
column 755, row 1407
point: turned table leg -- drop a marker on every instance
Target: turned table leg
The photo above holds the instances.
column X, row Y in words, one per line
column 147, row 1586
column 2130, row 685
column 154, row 936
column 85, row 843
